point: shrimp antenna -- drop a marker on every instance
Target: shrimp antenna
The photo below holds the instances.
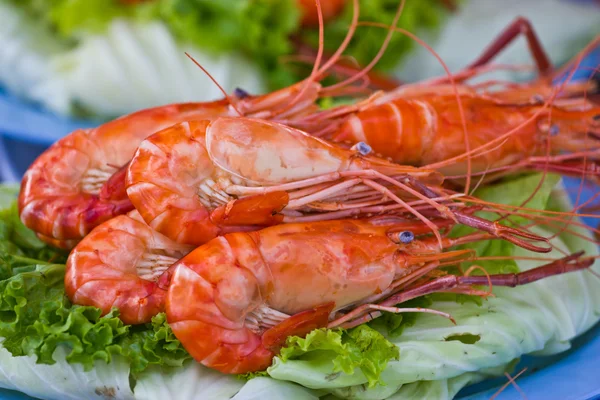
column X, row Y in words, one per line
column 455, row 89
column 344, row 45
column 379, row 54
column 317, row 73
column 229, row 100
column 511, row 381
column 321, row 48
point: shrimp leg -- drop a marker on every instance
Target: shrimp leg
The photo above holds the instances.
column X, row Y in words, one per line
column 520, row 26
column 463, row 284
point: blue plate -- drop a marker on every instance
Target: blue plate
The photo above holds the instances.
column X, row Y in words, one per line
column 25, row 131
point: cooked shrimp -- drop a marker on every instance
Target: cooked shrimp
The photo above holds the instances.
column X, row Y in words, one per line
column 439, row 124
column 429, row 131
column 77, row 183
column 233, row 301
column 118, row 265
column 194, row 181
column 538, row 90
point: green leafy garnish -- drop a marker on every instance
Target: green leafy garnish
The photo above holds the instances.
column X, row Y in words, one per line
column 36, row 316
column 394, row 324
column 361, row 347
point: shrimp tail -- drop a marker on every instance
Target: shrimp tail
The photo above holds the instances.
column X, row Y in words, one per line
column 262, row 209
column 115, row 187
column 79, row 213
column 234, row 355
column 297, row 325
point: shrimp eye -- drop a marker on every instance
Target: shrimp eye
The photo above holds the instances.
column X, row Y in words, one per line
column 240, row 93
column 538, row 98
column 406, row 237
column 362, row 148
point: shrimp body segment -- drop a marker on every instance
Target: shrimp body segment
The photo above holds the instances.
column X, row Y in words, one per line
column 426, row 130
column 196, row 180
column 233, row 301
column 118, row 265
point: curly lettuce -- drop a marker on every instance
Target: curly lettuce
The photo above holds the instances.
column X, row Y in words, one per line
column 361, row 347
column 36, row 317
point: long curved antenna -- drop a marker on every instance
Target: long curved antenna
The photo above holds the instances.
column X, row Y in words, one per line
column 461, row 110
column 379, row 54
column 216, row 83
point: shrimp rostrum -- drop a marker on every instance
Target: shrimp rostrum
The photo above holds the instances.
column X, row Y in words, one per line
column 233, row 301
column 197, row 180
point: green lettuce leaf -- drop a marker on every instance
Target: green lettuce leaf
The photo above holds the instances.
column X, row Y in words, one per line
column 19, row 246
column 36, row 317
column 260, row 29
column 361, row 347
column 69, row 17
column 415, row 356
column 153, row 344
column 8, row 194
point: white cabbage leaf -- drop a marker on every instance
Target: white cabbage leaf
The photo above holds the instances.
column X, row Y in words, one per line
column 137, row 65
column 64, row 381
column 192, row 382
column 131, row 66
column 540, row 318
column 25, row 51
